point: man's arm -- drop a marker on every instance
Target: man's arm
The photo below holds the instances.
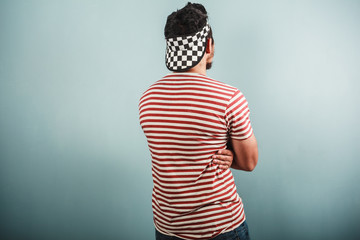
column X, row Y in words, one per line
column 245, row 153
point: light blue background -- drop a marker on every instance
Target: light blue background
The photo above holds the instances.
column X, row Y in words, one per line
column 74, row 161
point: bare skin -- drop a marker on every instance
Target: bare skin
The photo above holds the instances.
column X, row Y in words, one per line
column 224, row 158
column 245, row 153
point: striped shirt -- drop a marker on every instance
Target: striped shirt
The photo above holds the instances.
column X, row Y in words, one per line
column 187, row 118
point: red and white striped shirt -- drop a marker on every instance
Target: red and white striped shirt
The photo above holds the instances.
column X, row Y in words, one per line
column 187, row 118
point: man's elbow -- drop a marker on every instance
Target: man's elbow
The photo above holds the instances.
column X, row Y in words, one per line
column 251, row 164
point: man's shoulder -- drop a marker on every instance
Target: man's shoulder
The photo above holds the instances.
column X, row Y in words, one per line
column 191, row 83
column 224, row 84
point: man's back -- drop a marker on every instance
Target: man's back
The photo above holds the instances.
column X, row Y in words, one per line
column 187, row 118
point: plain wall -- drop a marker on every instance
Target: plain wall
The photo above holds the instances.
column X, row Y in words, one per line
column 75, row 163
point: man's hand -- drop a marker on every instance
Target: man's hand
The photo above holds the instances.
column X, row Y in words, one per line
column 223, row 158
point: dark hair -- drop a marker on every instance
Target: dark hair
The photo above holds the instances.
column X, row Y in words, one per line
column 186, row 21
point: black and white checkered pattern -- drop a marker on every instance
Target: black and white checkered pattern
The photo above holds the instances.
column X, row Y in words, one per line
column 183, row 53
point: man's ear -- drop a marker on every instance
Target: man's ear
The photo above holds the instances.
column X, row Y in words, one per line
column 208, row 45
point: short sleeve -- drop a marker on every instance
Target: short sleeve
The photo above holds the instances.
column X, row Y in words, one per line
column 237, row 116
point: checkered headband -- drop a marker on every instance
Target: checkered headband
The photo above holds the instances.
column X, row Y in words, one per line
column 183, row 53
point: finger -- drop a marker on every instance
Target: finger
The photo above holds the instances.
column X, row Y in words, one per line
column 225, row 152
column 219, row 162
column 224, row 167
column 222, row 157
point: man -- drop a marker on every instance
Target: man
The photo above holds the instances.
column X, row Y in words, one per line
column 189, row 121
